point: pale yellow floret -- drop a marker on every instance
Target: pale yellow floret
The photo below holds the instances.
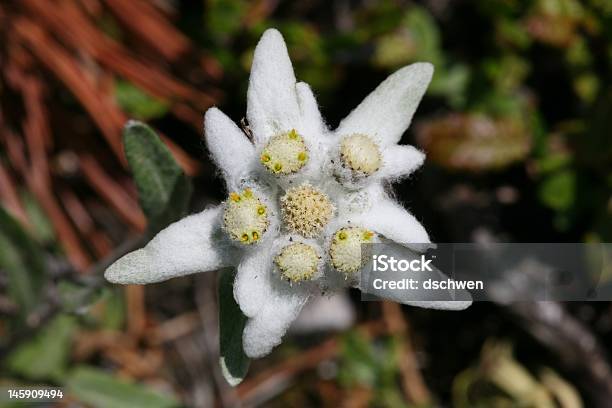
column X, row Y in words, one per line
column 306, row 210
column 360, row 154
column 285, row 153
column 345, row 249
column 297, row 262
column 245, row 218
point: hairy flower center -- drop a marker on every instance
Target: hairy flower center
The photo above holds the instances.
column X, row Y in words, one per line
column 345, row 249
column 306, row 210
column 360, row 154
column 245, row 218
column 285, row 153
column 297, row 262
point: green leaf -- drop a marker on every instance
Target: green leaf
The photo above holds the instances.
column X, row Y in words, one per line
column 23, row 260
column 554, row 161
column 100, row 390
column 558, row 191
column 114, row 310
column 425, row 33
column 451, row 83
column 163, row 188
column 42, row 229
column 46, row 356
column 78, row 298
column 224, row 17
column 234, row 363
column 137, row 103
column 358, row 362
column 109, row 312
column 417, row 38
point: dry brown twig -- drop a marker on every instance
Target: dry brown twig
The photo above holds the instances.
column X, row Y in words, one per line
column 112, row 192
column 103, row 111
column 66, row 40
column 66, row 19
column 413, row 385
column 99, row 241
column 157, row 32
column 37, row 174
column 270, row 382
column 10, row 197
column 152, row 28
column 578, row 349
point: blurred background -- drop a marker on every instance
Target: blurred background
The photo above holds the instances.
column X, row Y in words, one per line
column 516, row 127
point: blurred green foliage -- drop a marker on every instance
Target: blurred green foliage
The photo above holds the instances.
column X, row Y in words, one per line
column 43, row 354
column 42, row 230
column 46, row 357
column 499, row 380
column 373, row 365
column 137, row 103
column 22, row 258
column 100, row 389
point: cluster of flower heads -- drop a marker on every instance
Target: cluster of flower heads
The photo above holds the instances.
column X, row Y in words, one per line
column 302, row 198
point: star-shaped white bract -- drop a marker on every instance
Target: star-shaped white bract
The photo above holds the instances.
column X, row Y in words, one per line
column 302, row 198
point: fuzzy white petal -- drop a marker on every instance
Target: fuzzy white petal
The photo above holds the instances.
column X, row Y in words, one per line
column 324, row 313
column 388, row 218
column 441, row 305
column 400, row 161
column 265, row 331
column 386, row 113
column 312, row 122
column 421, row 298
column 448, row 300
column 272, row 104
column 188, row 246
column 422, row 302
column 229, row 147
column 252, row 285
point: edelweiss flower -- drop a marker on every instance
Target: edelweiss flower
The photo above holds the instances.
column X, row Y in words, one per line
column 302, row 199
